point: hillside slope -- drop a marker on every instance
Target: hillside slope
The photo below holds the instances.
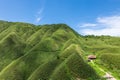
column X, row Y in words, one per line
column 107, row 50
column 46, row 52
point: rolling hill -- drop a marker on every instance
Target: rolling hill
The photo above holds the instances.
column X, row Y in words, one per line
column 55, row 52
column 42, row 52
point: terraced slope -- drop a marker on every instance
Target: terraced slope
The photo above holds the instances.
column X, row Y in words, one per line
column 47, row 52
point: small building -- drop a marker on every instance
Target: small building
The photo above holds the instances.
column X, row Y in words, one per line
column 91, row 57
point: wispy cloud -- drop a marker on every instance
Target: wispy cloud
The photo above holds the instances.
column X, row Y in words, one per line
column 39, row 15
column 87, row 25
column 38, row 19
column 109, row 25
column 40, row 11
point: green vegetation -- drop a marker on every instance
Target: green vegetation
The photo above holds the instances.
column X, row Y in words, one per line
column 107, row 50
column 43, row 52
column 54, row 52
column 112, row 62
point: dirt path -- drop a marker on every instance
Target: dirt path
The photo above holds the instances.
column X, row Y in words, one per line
column 107, row 75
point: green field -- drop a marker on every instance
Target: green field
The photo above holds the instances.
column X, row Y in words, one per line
column 54, row 52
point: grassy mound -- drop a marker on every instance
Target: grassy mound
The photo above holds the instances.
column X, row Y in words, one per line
column 44, row 52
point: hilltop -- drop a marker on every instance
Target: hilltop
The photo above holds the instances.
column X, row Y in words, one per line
column 43, row 52
column 54, row 52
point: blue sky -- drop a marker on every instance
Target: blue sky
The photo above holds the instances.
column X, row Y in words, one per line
column 98, row 17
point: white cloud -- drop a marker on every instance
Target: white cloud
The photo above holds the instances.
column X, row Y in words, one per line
column 88, row 25
column 40, row 11
column 38, row 19
column 108, row 26
column 39, row 15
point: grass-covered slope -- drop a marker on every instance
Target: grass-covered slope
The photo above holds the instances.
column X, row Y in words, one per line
column 112, row 62
column 46, row 52
column 107, row 50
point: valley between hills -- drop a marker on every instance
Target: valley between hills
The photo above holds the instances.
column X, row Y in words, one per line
column 56, row 52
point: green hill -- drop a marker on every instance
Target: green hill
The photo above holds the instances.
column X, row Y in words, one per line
column 107, row 50
column 43, row 52
column 55, row 52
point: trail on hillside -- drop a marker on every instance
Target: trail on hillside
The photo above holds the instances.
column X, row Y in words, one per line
column 107, row 75
column 110, row 76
